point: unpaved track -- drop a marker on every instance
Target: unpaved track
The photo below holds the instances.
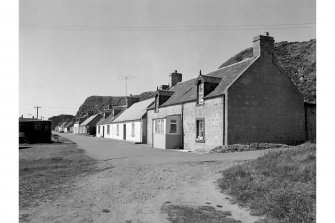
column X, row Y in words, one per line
column 136, row 181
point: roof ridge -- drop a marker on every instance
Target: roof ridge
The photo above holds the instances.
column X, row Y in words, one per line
column 250, row 58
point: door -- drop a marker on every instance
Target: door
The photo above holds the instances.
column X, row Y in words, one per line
column 124, row 132
column 103, row 131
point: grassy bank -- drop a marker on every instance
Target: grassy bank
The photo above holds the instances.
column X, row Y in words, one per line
column 280, row 185
column 49, row 171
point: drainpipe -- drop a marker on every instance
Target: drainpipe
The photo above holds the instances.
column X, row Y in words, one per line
column 182, row 124
column 226, row 119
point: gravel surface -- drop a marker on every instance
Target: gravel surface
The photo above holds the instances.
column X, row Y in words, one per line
column 136, row 181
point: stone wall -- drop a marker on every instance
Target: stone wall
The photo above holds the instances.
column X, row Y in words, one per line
column 265, row 106
column 212, row 112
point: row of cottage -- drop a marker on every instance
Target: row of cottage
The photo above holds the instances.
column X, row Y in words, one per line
column 252, row 101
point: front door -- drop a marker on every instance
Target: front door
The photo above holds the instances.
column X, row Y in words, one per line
column 103, row 131
column 124, row 132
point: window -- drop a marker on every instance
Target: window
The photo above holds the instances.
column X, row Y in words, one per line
column 133, row 129
column 159, row 126
column 117, row 130
column 108, row 129
column 200, row 135
column 173, row 126
column 156, row 104
column 200, row 93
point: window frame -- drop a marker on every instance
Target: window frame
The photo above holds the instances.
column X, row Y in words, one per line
column 159, row 125
column 157, row 103
column 197, row 130
column 175, row 122
column 202, row 95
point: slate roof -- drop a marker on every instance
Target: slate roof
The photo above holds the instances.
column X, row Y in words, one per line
column 88, row 120
column 134, row 112
column 69, row 124
column 209, row 79
column 186, row 91
column 228, row 74
column 62, row 125
column 101, row 121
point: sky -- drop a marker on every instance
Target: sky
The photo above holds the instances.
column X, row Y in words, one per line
column 72, row 49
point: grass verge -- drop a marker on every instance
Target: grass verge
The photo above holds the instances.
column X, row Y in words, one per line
column 49, row 171
column 280, row 185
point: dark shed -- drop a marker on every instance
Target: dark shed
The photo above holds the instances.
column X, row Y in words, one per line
column 34, row 130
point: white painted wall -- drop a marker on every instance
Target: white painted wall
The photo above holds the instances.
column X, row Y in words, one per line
column 99, row 133
column 110, row 131
column 76, row 128
column 114, row 131
column 138, row 131
column 104, row 128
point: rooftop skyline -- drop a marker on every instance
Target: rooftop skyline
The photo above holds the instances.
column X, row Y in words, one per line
column 70, row 50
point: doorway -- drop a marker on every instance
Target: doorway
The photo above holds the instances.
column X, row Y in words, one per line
column 124, row 132
column 103, row 131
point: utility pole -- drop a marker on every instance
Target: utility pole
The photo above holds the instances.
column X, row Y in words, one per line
column 37, row 107
column 126, row 77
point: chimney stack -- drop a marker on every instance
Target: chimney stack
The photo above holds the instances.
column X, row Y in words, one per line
column 175, row 78
column 163, row 87
column 131, row 100
column 263, row 45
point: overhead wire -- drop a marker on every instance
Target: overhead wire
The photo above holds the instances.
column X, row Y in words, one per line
column 177, row 28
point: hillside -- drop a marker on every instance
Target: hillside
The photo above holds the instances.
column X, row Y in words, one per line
column 298, row 59
column 55, row 120
column 94, row 104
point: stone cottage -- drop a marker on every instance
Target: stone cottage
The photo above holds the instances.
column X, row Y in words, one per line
column 252, row 101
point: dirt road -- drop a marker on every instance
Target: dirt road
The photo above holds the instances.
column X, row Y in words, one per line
column 137, row 180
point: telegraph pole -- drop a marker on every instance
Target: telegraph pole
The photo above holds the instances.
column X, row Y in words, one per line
column 37, row 107
column 126, row 77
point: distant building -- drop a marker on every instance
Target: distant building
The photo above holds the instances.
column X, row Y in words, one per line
column 89, row 125
column 77, row 123
column 131, row 125
column 104, row 125
column 252, row 101
column 68, row 126
column 34, row 130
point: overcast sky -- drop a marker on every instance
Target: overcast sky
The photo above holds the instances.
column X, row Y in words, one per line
column 72, row 49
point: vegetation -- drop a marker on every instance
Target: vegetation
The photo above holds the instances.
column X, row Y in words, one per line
column 55, row 120
column 46, row 172
column 298, row 59
column 188, row 214
column 95, row 104
column 280, row 185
